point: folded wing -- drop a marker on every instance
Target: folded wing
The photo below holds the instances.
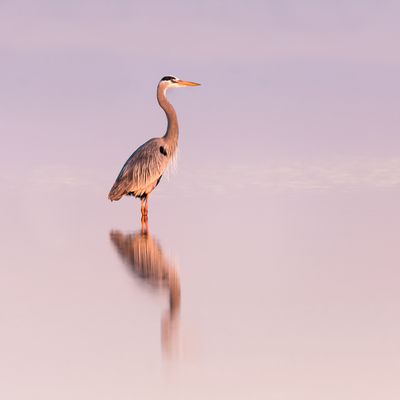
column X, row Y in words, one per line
column 142, row 170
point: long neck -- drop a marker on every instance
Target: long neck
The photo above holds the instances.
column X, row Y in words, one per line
column 172, row 134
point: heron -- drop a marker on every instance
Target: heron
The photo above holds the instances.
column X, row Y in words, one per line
column 143, row 170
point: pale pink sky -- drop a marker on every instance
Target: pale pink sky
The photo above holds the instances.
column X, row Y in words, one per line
column 282, row 217
column 279, row 78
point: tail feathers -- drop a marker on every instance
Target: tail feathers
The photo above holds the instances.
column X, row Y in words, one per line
column 116, row 192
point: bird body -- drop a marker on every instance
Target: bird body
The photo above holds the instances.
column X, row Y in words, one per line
column 142, row 171
column 144, row 168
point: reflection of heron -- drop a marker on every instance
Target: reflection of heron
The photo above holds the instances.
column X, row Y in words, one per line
column 146, row 260
column 144, row 168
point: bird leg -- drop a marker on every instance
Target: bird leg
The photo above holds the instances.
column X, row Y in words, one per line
column 142, row 206
column 145, row 206
column 145, row 225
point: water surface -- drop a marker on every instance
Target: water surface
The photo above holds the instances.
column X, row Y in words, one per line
column 280, row 295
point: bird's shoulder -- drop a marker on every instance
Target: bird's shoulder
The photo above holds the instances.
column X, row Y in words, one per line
column 150, row 150
column 149, row 147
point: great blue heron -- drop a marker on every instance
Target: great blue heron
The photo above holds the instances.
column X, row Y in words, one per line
column 144, row 168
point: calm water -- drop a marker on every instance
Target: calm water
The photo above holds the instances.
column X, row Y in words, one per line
column 280, row 295
column 270, row 265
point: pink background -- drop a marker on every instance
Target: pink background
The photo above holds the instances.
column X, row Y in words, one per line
column 282, row 216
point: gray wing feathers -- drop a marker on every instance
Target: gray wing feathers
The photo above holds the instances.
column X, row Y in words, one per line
column 142, row 170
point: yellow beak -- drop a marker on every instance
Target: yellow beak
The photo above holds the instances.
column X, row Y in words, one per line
column 186, row 83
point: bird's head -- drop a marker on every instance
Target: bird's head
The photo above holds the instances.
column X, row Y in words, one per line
column 169, row 81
